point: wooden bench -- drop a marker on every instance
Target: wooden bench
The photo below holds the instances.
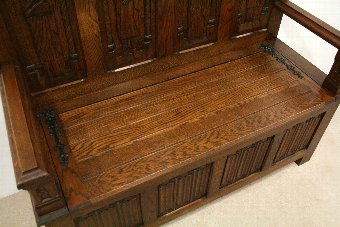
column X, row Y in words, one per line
column 131, row 112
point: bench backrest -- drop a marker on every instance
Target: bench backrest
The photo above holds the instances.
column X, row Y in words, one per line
column 65, row 41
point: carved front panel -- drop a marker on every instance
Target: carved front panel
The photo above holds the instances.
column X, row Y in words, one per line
column 183, row 190
column 47, row 198
column 127, row 31
column 251, row 15
column 245, row 162
column 297, row 138
column 196, row 22
column 47, row 39
column 124, row 213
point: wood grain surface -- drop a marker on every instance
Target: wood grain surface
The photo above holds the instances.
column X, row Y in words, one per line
column 118, row 141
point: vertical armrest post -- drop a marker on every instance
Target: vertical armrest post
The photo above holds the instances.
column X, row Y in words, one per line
column 332, row 81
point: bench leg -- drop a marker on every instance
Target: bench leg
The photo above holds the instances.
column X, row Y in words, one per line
column 318, row 134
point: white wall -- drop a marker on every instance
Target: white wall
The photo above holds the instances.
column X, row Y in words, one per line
column 313, row 48
column 307, row 44
column 7, row 179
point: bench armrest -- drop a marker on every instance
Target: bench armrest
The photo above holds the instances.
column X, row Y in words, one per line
column 315, row 25
column 321, row 29
column 33, row 166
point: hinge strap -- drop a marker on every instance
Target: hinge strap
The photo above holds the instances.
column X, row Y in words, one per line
column 270, row 50
column 50, row 118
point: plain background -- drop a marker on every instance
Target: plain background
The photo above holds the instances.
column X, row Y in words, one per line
column 320, row 54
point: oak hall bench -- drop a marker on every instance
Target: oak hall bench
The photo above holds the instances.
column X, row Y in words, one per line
column 133, row 112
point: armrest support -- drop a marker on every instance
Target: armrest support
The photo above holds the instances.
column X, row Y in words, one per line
column 33, row 167
column 26, row 164
column 321, row 29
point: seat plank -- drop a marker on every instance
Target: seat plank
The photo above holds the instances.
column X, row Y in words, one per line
column 160, row 91
column 107, row 124
column 152, row 144
column 181, row 115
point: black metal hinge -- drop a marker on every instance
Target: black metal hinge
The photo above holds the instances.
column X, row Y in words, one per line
column 49, row 117
column 270, row 50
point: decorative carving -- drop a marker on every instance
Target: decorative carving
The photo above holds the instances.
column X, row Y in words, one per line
column 251, row 15
column 297, row 138
column 127, row 31
column 245, row 162
column 196, row 22
column 126, row 212
column 43, row 194
column 183, row 190
column 38, row 8
column 47, row 41
column 270, row 50
column 49, row 116
column 47, row 197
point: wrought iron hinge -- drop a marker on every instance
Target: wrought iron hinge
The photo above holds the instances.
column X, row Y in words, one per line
column 73, row 57
column 270, row 50
column 147, row 38
column 265, row 7
column 49, row 117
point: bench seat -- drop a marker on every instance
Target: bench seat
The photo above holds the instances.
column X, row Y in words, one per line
column 116, row 143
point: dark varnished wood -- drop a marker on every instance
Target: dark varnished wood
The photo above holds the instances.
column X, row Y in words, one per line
column 33, row 166
column 7, row 53
column 104, row 86
column 47, row 41
column 159, row 106
column 251, row 16
column 178, row 120
column 127, row 31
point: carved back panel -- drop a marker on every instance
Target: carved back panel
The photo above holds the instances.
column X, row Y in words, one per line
column 251, row 15
column 47, row 41
column 196, row 22
column 127, row 31
column 118, row 33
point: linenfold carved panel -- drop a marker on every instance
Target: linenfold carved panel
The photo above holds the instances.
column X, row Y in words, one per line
column 251, row 15
column 183, row 190
column 245, row 162
column 47, row 38
column 124, row 213
column 127, row 31
column 297, row 138
column 196, row 21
